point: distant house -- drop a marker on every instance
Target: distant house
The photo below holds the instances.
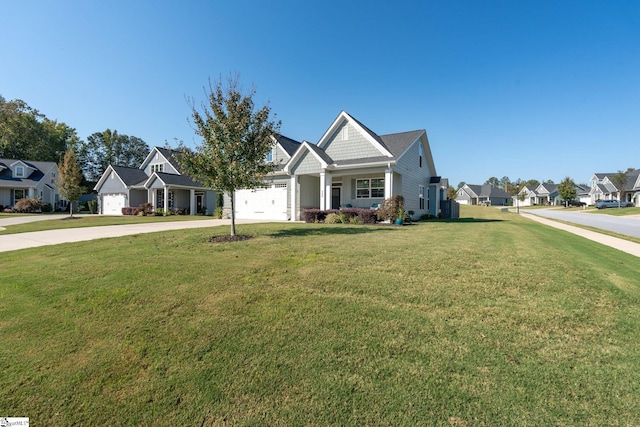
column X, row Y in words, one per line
column 158, row 181
column 602, row 187
column 26, row 178
column 546, row 194
column 486, row 194
column 350, row 166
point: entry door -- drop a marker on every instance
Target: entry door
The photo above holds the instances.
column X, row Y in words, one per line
column 335, row 198
column 199, row 200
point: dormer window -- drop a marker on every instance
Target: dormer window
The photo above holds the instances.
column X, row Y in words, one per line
column 19, row 171
column 269, row 157
column 157, row 167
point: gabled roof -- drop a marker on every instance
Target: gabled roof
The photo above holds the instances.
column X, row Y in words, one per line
column 318, row 153
column 290, row 146
column 172, row 156
column 172, row 179
column 397, row 143
column 130, row 176
column 487, row 190
column 372, row 137
column 40, row 169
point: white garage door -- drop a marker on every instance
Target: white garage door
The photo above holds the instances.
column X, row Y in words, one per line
column 262, row 203
column 113, row 204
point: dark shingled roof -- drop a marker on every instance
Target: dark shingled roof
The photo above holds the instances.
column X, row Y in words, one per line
column 324, row 156
column 397, row 143
column 289, row 145
column 182, row 180
column 130, row 176
column 6, row 175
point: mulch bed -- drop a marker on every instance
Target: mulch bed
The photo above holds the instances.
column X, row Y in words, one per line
column 236, row 238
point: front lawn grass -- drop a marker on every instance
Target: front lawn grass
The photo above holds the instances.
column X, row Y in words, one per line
column 617, row 211
column 490, row 320
column 93, row 221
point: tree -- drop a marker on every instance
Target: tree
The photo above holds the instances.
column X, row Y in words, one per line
column 451, row 192
column 461, row 184
column 567, row 190
column 27, row 134
column 236, row 138
column 493, row 181
column 69, row 179
column 619, row 180
column 110, row 148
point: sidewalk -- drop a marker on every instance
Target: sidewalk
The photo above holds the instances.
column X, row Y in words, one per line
column 614, row 242
column 13, row 242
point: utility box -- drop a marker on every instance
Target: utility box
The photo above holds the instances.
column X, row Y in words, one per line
column 450, row 209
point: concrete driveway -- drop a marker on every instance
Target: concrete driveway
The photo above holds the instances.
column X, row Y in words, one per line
column 12, row 242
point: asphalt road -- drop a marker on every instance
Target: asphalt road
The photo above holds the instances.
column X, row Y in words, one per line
column 626, row 225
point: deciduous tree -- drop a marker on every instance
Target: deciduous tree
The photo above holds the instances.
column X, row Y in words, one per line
column 110, row 148
column 567, row 190
column 619, row 180
column 69, row 179
column 236, row 138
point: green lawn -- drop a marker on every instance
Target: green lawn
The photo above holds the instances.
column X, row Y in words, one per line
column 617, row 211
column 490, row 320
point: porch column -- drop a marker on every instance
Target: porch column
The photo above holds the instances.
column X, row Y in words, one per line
column 293, row 191
column 323, row 202
column 328, row 180
column 166, row 200
column 192, row 202
column 388, row 183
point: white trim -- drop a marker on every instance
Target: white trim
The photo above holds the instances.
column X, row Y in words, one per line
column 104, row 177
column 298, row 154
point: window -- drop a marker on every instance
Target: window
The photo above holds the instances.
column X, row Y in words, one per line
column 421, row 196
column 19, row 171
column 160, row 199
column 18, row 194
column 369, row 188
column 421, row 154
column 157, row 168
column 270, row 156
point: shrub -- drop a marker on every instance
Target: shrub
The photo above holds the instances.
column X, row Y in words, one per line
column 93, row 206
column 47, row 207
column 316, row 215
column 130, row 210
column 391, row 208
column 354, row 220
column 332, row 218
column 27, row 205
column 146, row 208
column 368, row 216
column 217, row 212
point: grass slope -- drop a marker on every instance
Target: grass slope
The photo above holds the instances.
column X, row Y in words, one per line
column 491, row 320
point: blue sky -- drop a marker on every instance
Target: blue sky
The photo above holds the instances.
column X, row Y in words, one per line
column 542, row 89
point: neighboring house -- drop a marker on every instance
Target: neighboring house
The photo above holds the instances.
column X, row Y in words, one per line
column 547, row 194
column 602, row 187
column 526, row 196
column 349, row 166
column 158, row 181
column 26, row 178
column 486, row 194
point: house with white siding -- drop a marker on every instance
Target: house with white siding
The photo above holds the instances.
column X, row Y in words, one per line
column 25, row 178
column 350, row 166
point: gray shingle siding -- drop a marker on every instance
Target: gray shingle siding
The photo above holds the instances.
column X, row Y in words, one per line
column 355, row 147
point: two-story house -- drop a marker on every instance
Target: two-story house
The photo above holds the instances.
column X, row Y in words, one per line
column 26, row 178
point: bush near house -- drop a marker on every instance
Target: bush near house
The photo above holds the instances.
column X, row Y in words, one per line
column 28, row 205
column 364, row 216
column 130, row 210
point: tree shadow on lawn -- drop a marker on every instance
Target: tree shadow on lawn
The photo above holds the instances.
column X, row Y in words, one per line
column 331, row 230
column 368, row 228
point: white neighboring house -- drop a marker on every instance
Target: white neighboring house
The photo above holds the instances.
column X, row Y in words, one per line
column 602, row 187
column 26, row 178
column 350, row 166
column 486, row 194
column 158, row 181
